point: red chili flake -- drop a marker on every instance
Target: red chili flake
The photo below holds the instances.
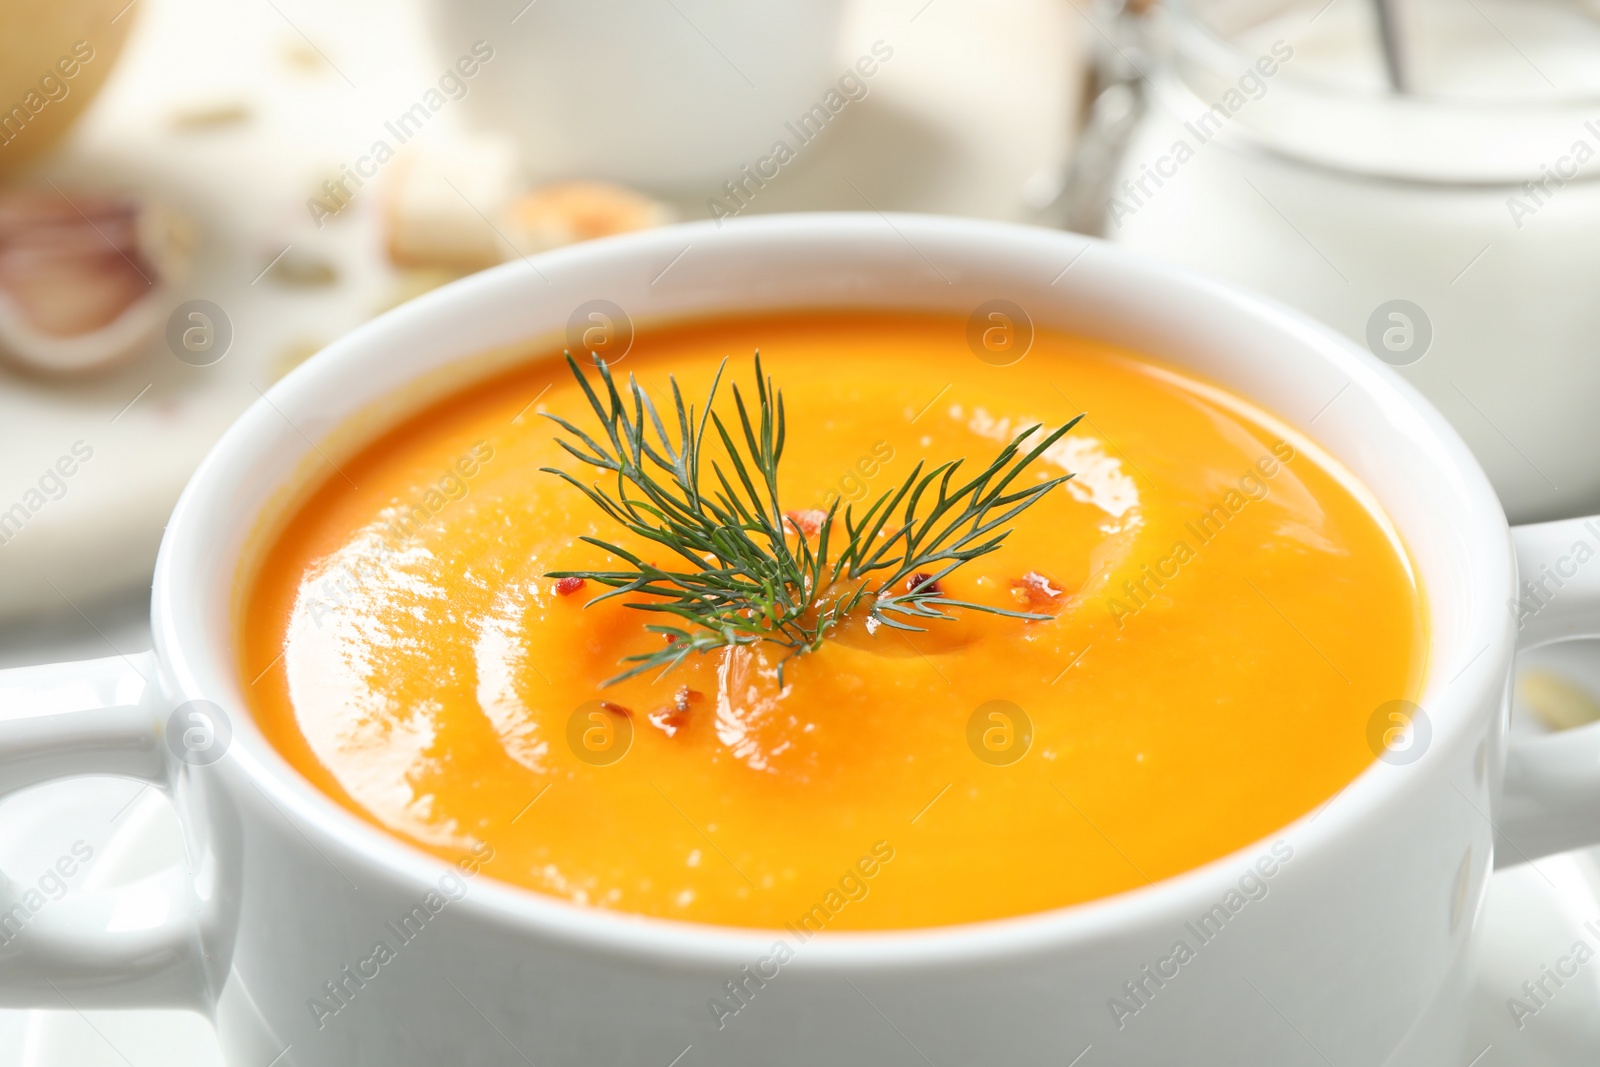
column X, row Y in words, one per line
column 616, row 709
column 1036, row 592
column 672, row 719
column 924, row 583
column 568, row 586
column 806, row 522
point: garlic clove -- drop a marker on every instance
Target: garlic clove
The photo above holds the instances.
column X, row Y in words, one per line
column 85, row 279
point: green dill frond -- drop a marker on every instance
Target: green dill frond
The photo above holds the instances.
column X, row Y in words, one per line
column 743, row 573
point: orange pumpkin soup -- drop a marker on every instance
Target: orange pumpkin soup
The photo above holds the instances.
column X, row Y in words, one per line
column 1225, row 608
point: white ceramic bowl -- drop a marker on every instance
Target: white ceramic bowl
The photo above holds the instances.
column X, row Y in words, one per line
column 1354, row 955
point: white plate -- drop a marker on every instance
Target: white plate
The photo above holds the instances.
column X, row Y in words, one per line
column 132, row 831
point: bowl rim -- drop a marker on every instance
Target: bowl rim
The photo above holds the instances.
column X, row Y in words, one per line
column 252, row 760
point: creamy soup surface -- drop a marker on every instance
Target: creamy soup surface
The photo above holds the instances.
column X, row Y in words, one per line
column 1227, row 610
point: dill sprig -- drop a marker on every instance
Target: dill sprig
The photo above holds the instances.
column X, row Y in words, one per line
column 746, row 574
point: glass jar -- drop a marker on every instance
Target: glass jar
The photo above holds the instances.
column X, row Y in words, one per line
column 1454, row 230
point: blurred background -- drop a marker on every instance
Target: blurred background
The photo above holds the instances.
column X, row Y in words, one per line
column 197, row 196
column 215, row 191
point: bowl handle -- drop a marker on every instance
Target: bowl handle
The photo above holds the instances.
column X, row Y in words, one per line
column 137, row 945
column 1551, row 798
